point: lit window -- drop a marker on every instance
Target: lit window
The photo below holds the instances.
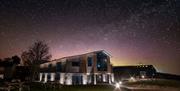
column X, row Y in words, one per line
column 98, row 65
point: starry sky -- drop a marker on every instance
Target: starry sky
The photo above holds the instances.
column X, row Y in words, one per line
column 132, row 31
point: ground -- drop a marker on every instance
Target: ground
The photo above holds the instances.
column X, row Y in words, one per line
column 142, row 85
column 153, row 85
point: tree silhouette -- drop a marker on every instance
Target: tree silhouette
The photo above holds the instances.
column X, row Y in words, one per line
column 38, row 53
column 1, row 62
column 16, row 60
column 9, row 65
column 26, row 60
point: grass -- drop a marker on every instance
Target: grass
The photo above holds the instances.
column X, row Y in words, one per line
column 160, row 83
column 40, row 87
column 142, row 83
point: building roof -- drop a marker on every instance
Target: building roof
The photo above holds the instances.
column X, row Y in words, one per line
column 60, row 59
column 84, row 54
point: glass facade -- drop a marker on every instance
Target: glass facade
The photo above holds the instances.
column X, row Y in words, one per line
column 101, row 62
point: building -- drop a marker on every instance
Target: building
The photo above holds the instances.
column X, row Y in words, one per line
column 89, row 68
column 136, row 71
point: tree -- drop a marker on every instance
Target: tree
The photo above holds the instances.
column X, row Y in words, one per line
column 16, row 59
column 38, row 53
column 26, row 61
column 1, row 62
column 9, row 65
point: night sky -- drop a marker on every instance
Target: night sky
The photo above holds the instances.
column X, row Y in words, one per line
column 132, row 31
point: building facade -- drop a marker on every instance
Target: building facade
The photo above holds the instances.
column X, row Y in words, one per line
column 90, row 68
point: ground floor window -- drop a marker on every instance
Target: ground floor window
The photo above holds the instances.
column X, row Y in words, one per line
column 102, row 78
column 48, row 76
column 57, row 76
column 76, row 80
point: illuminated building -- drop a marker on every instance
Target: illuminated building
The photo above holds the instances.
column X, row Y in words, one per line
column 90, row 68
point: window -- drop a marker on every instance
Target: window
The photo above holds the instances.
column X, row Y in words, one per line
column 57, row 76
column 101, row 62
column 58, row 67
column 76, row 63
column 90, row 59
column 50, row 65
column 49, row 68
column 49, row 76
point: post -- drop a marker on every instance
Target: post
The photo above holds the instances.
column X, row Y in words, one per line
column 40, row 76
column 94, row 79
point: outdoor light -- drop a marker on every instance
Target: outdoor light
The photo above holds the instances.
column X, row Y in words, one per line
column 120, row 82
column 132, row 79
column 142, row 76
column 117, row 85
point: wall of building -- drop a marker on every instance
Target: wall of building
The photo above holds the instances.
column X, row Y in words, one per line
column 81, row 73
column 67, row 78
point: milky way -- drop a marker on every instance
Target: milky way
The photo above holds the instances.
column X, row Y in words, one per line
column 132, row 31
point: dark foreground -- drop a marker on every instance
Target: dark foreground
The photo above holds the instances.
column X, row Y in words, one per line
column 146, row 85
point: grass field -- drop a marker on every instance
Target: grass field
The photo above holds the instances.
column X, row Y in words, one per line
column 168, row 85
column 161, row 83
column 39, row 87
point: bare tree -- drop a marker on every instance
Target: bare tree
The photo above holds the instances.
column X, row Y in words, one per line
column 16, row 59
column 26, row 61
column 38, row 53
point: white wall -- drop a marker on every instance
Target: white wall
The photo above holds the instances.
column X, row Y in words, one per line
column 62, row 78
column 52, row 76
column 68, row 78
column 45, row 77
column 40, row 76
column 84, row 79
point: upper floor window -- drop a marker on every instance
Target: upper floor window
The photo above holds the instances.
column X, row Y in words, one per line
column 90, row 59
column 76, row 63
column 58, row 66
column 102, row 62
column 50, row 65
